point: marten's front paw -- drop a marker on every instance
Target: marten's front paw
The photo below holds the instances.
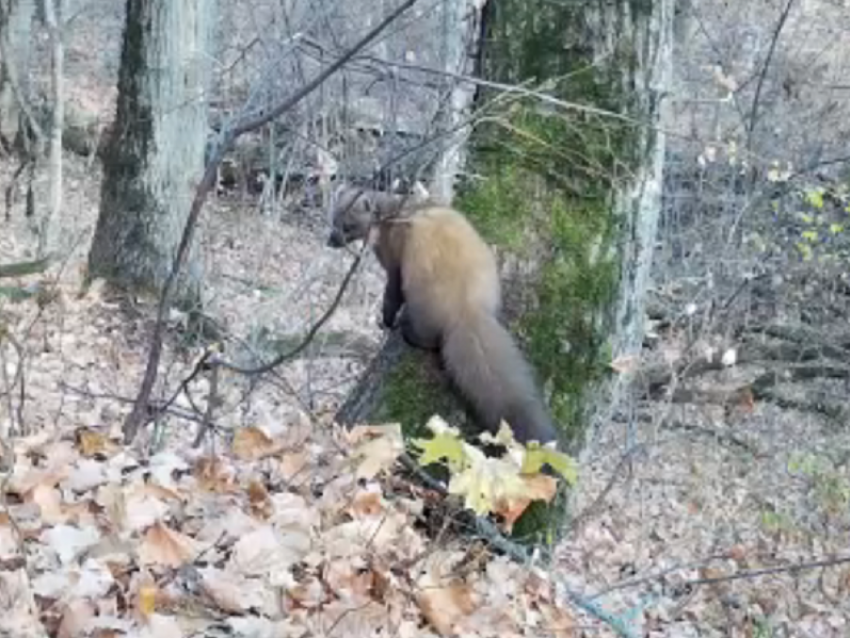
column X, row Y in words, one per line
column 384, row 322
column 389, row 319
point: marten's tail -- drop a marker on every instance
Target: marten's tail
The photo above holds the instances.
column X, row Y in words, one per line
column 490, row 371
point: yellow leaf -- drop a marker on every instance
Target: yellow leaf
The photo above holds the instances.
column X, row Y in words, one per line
column 536, row 457
column 504, row 436
column 810, row 235
column 815, row 198
column 443, row 446
column 836, row 228
column 485, row 481
column 147, row 600
column 805, row 251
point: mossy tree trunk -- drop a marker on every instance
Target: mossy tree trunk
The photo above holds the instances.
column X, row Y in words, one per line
column 16, row 17
column 569, row 197
column 154, row 155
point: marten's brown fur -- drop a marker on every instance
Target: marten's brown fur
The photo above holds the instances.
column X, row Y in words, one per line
column 446, row 276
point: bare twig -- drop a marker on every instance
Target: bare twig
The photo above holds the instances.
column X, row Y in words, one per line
column 768, row 571
column 751, row 122
column 625, row 459
column 314, row 329
column 179, row 413
column 213, row 401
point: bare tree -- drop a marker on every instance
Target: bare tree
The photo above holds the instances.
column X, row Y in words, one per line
column 48, row 235
column 154, row 154
column 15, row 34
column 458, row 50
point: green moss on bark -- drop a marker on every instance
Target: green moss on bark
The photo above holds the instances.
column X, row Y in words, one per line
column 123, row 185
column 549, row 178
column 413, row 393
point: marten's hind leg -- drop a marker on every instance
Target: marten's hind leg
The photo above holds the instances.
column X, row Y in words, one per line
column 416, row 334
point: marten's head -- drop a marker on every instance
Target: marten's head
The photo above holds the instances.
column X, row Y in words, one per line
column 354, row 211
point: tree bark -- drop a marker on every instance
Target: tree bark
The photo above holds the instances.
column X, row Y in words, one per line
column 15, row 35
column 461, row 21
column 154, row 154
column 49, row 237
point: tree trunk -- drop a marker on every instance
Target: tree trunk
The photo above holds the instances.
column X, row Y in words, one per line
column 570, row 199
column 15, row 35
column 154, row 154
column 458, row 51
column 49, row 236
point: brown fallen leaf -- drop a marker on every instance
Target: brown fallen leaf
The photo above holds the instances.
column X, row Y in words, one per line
column 49, row 501
column 214, row 475
column 258, row 500
column 380, row 449
column 366, row 503
column 292, row 464
column 231, row 592
column 560, row 622
column 442, row 597
column 76, row 616
column 91, row 443
column 23, row 482
column 164, row 546
column 443, row 606
column 251, row 443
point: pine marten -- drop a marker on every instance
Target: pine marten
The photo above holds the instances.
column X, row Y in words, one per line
column 446, row 277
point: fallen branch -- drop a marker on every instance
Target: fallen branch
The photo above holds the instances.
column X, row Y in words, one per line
column 16, row 293
column 797, row 372
column 719, row 435
column 833, row 411
column 837, row 347
column 24, row 268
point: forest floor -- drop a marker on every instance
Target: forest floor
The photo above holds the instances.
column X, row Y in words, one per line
column 718, row 505
column 689, row 491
